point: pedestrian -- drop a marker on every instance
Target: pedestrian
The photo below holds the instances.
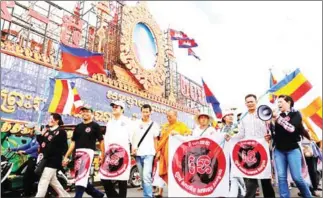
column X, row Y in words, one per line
column 117, row 141
column 237, row 185
column 54, row 145
column 173, row 127
column 203, row 128
column 287, row 152
column 30, row 149
column 144, row 147
column 83, row 144
column 253, row 127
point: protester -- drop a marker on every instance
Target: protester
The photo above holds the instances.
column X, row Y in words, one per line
column 30, row 149
column 173, row 127
column 287, row 153
column 117, row 141
column 311, row 162
column 203, row 128
column 83, row 143
column 237, row 185
column 252, row 127
column 54, row 145
column 144, row 147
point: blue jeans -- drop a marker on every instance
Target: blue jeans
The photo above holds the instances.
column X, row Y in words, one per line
column 90, row 190
column 293, row 160
column 145, row 166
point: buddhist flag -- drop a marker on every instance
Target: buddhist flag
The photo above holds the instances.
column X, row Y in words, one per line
column 314, row 111
column 272, row 82
column 294, row 85
column 63, row 97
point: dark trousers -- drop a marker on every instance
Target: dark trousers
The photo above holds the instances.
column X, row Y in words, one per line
column 90, row 190
column 110, row 191
column 312, row 171
column 29, row 177
column 252, row 185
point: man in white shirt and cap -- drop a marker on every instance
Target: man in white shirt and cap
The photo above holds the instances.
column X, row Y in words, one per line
column 203, row 121
column 117, row 141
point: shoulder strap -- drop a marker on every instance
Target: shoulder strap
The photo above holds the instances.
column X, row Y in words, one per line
column 204, row 130
column 142, row 138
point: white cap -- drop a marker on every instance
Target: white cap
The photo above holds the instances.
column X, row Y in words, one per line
column 119, row 103
column 204, row 112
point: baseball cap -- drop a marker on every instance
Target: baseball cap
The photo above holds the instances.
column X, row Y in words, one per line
column 119, row 103
column 86, row 107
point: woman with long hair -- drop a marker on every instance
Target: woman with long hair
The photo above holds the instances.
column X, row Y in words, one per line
column 288, row 129
column 53, row 146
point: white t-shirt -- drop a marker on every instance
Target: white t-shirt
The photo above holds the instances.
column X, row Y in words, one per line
column 147, row 145
column 198, row 131
column 119, row 131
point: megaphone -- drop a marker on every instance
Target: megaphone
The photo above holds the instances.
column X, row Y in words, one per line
column 264, row 112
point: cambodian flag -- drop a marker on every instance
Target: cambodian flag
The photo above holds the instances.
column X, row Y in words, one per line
column 77, row 60
column 177, row 35
column 210, row 98
column 192, row 53
column 187, row 43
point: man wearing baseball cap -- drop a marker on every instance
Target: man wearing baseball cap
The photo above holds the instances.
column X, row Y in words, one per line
column 117, row 141
column 83, row 142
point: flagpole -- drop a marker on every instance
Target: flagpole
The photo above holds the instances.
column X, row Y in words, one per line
column 52, row 74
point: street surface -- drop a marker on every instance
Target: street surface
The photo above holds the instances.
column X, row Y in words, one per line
column 134, row 192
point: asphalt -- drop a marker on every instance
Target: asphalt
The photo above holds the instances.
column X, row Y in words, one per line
column 134, row 192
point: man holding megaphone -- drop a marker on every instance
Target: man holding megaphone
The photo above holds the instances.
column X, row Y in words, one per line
column 253, row 127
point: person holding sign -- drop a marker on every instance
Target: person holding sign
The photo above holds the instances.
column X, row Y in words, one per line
column 144, row 147
column 287, row 152
column 173, row 127
column 117, row 141
column 237, row 185
column 253, row 127
column 83, row 145
column 203, row 128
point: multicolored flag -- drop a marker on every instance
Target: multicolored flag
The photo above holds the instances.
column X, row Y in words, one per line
column 294, row 84
column 177, row 35
column 210, row 98
column 187, row 43
column 192, row 53
column 63, row 97
column 314, row 111
column 77, row 60
column 272, row 82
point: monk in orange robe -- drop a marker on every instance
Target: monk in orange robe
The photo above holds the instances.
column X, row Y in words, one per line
column 173, row 127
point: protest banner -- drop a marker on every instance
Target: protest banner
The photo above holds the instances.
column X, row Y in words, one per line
column 198, row 166
column 116, row 165
column 250, row 158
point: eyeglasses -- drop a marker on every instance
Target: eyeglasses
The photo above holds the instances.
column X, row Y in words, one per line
column 115, row 106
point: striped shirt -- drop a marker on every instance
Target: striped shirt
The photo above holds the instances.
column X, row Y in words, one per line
column 251, row 127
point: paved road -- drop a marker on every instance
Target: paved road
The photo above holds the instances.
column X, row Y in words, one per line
column 133, row 192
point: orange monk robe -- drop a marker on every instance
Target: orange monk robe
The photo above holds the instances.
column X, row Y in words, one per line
column 166, row 130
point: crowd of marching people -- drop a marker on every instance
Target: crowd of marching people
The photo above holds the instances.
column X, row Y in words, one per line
column 147, row 141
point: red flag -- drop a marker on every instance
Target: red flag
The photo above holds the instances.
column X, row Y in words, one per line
column 177, row 35
column 187, row 43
